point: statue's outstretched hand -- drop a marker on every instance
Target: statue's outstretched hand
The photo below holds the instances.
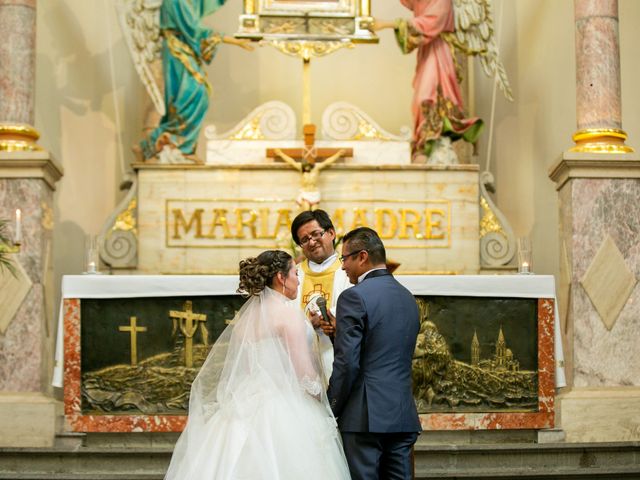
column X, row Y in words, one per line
column 244, row 43
column 378, row 25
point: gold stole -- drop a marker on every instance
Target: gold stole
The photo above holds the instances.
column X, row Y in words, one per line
column 318, row 282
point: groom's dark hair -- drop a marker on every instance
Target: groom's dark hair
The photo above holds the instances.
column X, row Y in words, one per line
column 307, row 216
column 365, row 238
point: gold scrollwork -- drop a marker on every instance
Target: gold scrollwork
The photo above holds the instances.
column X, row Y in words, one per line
column 331, row 26
column 47, row 216
column 489, row 222
column 250, row 131
column 367, row 130
column 283, row 26
column 126, row 220
column 308, row 49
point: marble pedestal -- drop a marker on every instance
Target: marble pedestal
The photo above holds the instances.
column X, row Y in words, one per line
column 599, row 295
column 27, row 328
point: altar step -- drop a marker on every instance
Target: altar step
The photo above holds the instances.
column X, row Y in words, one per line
column 99, row 461
column 558, row 461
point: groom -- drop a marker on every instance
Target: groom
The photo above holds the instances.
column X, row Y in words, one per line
column 370, row 388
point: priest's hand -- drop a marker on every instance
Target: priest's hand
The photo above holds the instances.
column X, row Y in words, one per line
column 328, row 325
column 315, row 318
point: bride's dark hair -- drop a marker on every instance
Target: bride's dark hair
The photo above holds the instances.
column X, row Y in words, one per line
column 256, row 273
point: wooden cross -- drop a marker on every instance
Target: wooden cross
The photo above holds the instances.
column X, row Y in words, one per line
column 309, row 154
column 133, row 329
column 188, row 323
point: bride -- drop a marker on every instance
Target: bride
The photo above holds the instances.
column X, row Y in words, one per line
column 258, row 408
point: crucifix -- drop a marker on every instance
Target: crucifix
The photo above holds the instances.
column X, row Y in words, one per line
column 188, row 322
column 308, row 160
column 133, row 330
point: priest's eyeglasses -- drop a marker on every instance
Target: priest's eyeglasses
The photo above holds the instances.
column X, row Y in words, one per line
column 315, row 236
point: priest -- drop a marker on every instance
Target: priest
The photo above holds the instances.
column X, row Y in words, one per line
column 320, row 273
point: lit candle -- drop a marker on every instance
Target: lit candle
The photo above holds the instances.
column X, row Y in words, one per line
column 92, row 267
column 525, row 267
column 18, row 236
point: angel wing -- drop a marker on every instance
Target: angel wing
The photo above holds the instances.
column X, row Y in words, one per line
column 140, row 23
column 474, row 35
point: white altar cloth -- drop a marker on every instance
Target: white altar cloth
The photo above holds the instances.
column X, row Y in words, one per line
column 137, row 286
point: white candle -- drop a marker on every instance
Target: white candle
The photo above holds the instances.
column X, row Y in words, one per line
column 525, row 267
column 18, row 236
column 92, row 267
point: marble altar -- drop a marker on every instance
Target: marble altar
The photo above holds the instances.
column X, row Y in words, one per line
column 77, row 288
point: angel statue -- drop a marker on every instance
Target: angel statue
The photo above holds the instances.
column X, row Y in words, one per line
column 436, row 29
column 170, row 30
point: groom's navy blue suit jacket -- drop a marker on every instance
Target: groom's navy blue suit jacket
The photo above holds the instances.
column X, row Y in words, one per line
column 377, row 326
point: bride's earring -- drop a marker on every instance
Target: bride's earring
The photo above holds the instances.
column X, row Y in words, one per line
column 283, row 286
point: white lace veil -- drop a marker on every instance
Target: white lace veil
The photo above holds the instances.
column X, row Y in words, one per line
column 268, row 350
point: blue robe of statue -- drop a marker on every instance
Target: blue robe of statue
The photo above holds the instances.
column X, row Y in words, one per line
column 187, row 47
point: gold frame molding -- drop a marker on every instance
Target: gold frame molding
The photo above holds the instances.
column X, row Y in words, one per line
column 306, row 20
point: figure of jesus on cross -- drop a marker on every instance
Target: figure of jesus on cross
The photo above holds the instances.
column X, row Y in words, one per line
column 311, row 162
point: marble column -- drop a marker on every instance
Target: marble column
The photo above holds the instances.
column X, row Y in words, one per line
column 28, row 410
column 598, row 102
column 598, row 184
column 17, row 78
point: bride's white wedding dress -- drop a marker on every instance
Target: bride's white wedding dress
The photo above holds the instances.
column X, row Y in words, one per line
column 258, row 408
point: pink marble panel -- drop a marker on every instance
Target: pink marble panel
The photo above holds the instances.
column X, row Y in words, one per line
column 595, row 8
column 543, row 418
column 17, row 57
column 592, row 209
column 597, row 64
column 24, row 367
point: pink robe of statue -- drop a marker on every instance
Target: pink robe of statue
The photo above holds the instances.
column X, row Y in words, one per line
column 437, row 102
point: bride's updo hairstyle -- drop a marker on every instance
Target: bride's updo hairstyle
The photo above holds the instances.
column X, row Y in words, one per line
column 256, row 273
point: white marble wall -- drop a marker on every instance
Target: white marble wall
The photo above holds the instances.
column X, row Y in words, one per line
column 277, row 186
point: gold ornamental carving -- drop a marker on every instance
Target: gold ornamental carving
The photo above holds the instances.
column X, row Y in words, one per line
column 489, row 222
column 308, row 49
column 126, row 220
column 47, row 216
column 250, row 131
column 368, row 131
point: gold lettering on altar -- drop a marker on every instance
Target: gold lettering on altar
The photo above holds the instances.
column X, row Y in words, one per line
column 386, row 223
column 179, row 221
column 432, row 224
column 242, row 222
column 210, row 223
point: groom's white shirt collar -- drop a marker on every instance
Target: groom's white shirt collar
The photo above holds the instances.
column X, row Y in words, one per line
column 361, row 277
